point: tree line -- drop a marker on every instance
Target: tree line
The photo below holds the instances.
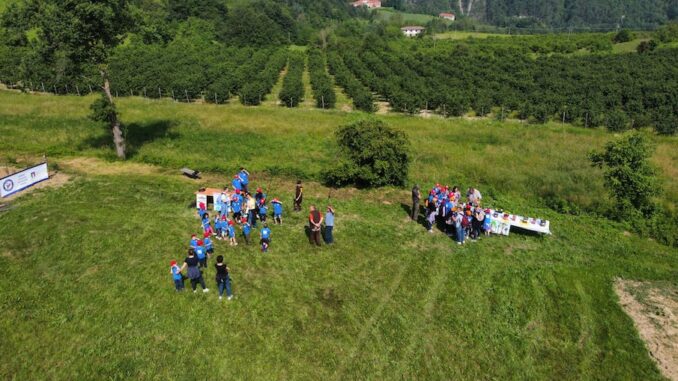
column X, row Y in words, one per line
column 292, row 92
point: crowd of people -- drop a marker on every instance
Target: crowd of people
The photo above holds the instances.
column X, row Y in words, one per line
column 462, row 218
column 236, row 208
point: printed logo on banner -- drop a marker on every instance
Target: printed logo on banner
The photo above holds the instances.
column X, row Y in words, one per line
column 8, row 185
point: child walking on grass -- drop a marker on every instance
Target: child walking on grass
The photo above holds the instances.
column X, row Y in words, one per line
column 246, row 230
column 223, row 278
column 277, row 211
column 177, row 276
column 265, row 238
column 231, row 233
column 201, row 254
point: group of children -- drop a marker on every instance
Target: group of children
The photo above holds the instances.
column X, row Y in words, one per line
column 233, row 207
column 467, row 219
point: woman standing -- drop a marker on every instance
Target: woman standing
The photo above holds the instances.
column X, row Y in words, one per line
column 329, row 225
column 223, row 278
column 194, row 274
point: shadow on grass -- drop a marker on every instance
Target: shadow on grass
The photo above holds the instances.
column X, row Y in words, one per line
column 421, row 218
column 137, row 135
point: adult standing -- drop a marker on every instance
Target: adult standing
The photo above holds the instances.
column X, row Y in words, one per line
column 416, row 196
column 223, row 278
column 473, row 195
column 329, row 225
column 194, row 274
column 315, row 221
column 298, row 196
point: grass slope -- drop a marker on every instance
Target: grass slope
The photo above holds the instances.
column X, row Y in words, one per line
column 86, row 293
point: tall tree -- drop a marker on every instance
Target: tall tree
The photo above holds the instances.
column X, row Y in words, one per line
column 81, row 34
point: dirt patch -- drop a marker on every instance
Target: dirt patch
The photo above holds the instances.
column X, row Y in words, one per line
column 90, row 165
column 55, row 180
column 654, row 311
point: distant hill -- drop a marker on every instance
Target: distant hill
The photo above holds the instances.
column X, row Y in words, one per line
column 555, row 13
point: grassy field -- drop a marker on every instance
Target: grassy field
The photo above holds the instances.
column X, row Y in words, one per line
column 462, row 35
column 389, row 14
column 86, row 292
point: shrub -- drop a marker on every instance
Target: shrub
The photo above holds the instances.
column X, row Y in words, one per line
column 617, row 121
column 372, row 155
column 623, row 35
column 628, row 175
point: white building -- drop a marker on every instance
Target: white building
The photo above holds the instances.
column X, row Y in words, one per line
column 412, row 31
column 448, row 16
column 367, row 3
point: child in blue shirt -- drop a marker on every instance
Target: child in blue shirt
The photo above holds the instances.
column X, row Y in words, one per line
column 277, row 211
column 176, row 276
column 206, row 225
column 246, row 230
column 265, row 238
column 201, row 254
column 263, row 211
column 487, row 223
column 194, row 242
column 244, row 179
column 231, row 233
column 236, row 183
column 207, row 242
column 236, row 205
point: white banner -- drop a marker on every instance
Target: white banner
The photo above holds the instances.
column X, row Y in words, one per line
column 21, row 180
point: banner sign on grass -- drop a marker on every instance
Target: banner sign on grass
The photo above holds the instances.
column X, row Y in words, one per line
column 23, row 179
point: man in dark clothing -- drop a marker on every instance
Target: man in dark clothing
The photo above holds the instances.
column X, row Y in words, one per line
column 416, row 196
column 315, row 221
column 298, row 196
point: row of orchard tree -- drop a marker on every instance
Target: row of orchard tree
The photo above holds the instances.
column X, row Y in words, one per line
column 620, row 91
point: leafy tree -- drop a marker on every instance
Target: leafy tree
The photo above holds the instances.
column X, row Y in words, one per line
column 646, row 46
column 628, row 175
column 617, row 121
column 79, row 35
column 623, row 35
column 372, row 155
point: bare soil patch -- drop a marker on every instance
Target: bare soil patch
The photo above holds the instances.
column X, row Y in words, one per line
column 654, row 311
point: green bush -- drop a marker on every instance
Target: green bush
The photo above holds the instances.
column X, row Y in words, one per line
column 617, row 121
column 372, row 155
column 623, row 35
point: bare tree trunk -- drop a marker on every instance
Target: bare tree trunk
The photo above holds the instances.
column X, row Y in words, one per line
column 470, row 6
column 461, row 7
column 118, row 138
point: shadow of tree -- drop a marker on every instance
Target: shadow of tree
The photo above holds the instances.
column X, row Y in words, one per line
column 136, row 136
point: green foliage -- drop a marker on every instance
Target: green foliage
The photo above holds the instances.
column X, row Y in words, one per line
column 321, row 82
column 623, row 35
column 668, row 33
column 617, row 121
column 259, row 83
column 102, row 110
column 628, row 175
column 362, row 97
column 646, row 46
column 292, row 92
column 372, row 155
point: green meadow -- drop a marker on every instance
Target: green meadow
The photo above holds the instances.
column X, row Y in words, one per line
column 86, row 291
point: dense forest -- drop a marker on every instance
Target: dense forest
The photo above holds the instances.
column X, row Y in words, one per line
column 553, row 13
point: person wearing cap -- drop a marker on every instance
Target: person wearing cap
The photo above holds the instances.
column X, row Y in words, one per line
column 246, row 230
column 298, row 196
column 315, row 220
column 244, row 179
column 236, row 183
column 236, row 205
column 191, row 263
column 265, row 240
column 263, row 211
column 223, row 278
column 416, row 197
column 329, row 225
column 176, row 276
column 260, row 196
column 194, row 241
column 231, row 233
column 466, row 220
column 277, row 211
column 201, row 254
column 207, row 243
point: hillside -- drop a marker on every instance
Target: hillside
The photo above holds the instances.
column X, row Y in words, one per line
column 556, row 13
column 87, row 293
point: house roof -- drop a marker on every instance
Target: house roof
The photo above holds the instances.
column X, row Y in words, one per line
column 443, row 14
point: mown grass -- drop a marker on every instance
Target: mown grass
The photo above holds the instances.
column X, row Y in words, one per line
column 86, row 294
column 388, row 14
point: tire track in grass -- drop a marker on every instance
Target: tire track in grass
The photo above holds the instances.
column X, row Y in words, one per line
column 422, row 321
column 368, row 329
